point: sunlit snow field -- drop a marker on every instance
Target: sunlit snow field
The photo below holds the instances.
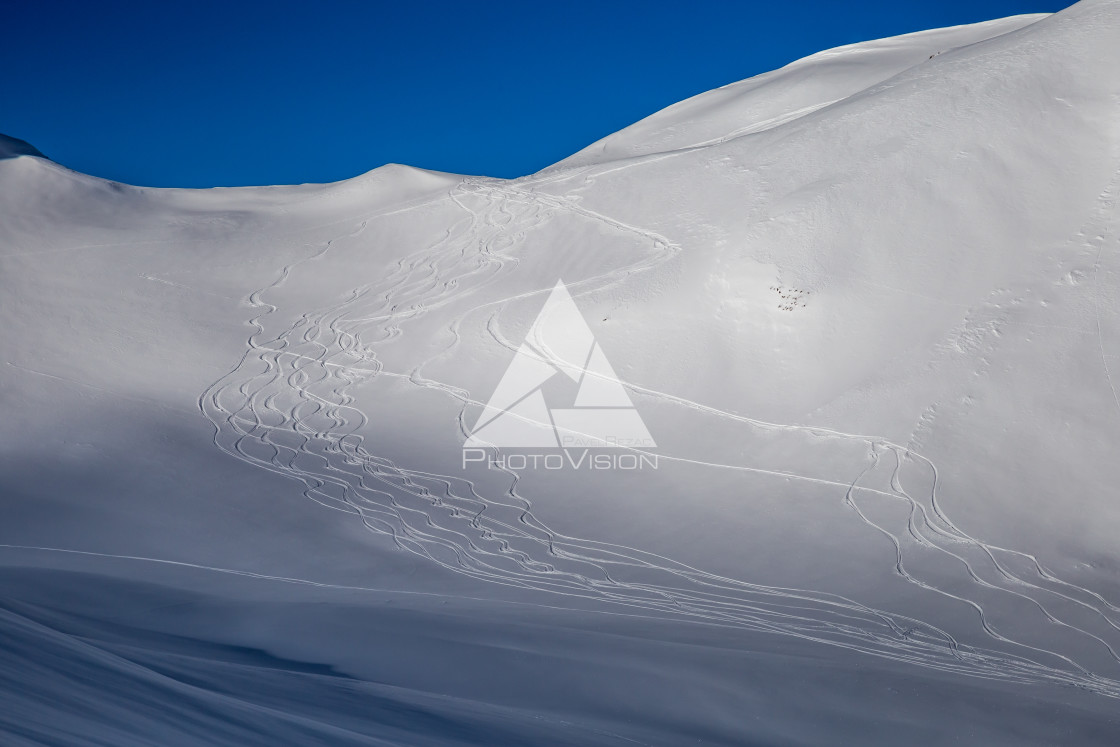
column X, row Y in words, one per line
column 867, row 306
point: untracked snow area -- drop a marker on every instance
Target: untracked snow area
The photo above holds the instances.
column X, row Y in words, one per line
column 867, row 305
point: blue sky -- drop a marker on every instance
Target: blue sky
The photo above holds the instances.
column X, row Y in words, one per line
column 225, row 93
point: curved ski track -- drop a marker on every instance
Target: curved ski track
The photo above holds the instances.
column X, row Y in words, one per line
column 287, row 408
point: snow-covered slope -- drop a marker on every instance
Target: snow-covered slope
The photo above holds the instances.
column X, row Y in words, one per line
column 867, row 306
column 772, row 99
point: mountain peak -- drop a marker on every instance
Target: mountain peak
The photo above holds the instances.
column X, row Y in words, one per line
column 11, row 147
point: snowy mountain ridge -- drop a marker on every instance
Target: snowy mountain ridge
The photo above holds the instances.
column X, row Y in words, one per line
column 866, row 305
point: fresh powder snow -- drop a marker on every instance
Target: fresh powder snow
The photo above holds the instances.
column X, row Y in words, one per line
column 842, row 342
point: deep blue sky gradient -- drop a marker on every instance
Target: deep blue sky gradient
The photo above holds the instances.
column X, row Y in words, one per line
column 229, row 93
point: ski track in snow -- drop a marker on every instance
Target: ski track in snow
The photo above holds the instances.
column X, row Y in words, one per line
column 286, row 408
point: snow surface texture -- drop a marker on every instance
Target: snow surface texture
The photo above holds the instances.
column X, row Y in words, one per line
column 868, row 305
